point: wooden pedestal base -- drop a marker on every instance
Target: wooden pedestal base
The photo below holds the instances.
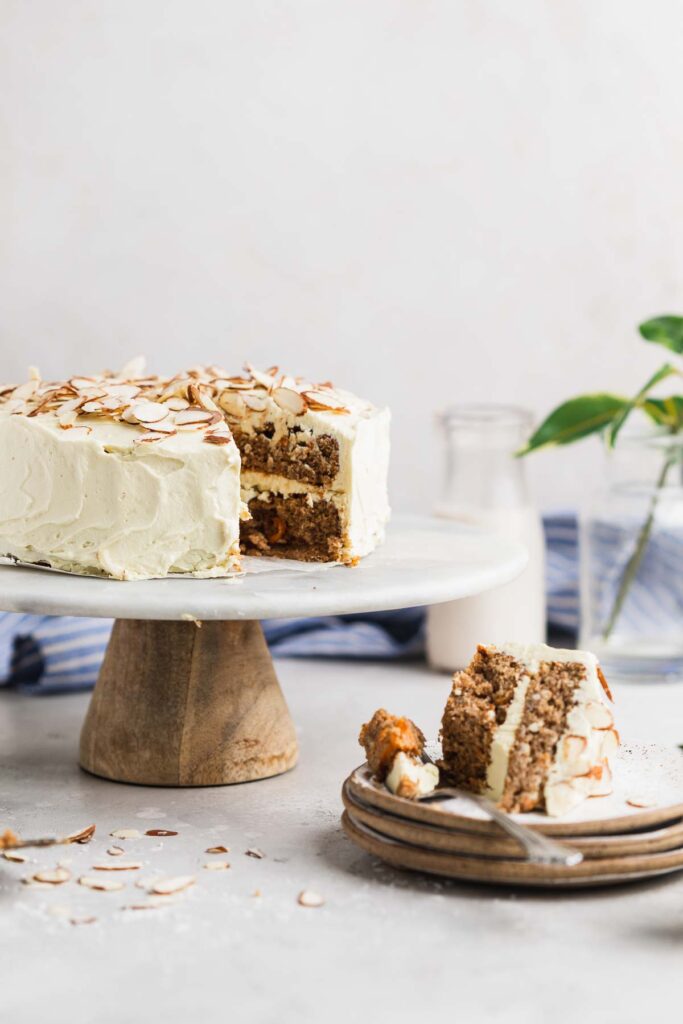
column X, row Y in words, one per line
column 181, row 705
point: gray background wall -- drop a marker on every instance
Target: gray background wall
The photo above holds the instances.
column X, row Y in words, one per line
column 427, row 202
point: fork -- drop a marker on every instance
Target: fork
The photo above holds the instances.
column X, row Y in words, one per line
column 538, row 847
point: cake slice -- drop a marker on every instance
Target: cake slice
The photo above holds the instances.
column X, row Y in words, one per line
column 529, row 727
column 118, row 475
column 393, row 749
column 314, row 465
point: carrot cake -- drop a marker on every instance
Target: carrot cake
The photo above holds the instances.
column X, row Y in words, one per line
column 134, row 476
column 393, row 749
column 529, row 727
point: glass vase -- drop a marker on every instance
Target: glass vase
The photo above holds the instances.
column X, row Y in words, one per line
column 632, row 562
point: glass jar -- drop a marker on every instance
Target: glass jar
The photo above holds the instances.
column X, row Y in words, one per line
column 485, row 484
column 632, row 562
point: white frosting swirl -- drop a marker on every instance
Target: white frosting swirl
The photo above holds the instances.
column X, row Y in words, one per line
column 97, row 502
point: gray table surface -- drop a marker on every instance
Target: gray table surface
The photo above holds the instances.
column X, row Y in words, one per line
column 386, row 946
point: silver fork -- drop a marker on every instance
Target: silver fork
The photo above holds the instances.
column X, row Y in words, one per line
column 539, row 848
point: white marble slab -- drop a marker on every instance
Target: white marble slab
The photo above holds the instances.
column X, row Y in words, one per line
column 423, row 561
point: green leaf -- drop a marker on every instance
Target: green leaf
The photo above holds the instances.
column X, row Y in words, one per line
column 617, row 423
column 576, row 419
column 665, row 412
column 664, row 330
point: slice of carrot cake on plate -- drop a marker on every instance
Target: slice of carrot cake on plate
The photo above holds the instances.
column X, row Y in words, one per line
column 528, row 726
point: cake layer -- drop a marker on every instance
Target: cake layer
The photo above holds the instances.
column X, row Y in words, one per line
column 293, row 526
column 291, row 454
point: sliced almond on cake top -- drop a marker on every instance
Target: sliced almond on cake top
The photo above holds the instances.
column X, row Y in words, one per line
column 573, row 747
column 149, row 412
column 599, row 716
column 290, row 401
column 192, row 417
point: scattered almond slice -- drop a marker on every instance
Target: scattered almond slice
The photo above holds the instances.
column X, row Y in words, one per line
column 115, row 851
column 16, row 858
column 218, row 849
column 160, row 832
column 146, row 883
column 126, row 833
column 640, row 801
column 118, row 865
column 84, row 836
column 52, row 876
column 216, row 865
column 307, row 898
column 255, row 852
column 100, row 884
column 168, row 886
column 83, row 920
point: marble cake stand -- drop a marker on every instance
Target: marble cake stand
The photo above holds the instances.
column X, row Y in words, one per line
column 187, row 694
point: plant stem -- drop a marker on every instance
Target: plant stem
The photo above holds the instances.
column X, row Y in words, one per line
column 633, row 564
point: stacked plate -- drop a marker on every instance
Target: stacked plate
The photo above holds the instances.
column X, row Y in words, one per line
column 635, row 833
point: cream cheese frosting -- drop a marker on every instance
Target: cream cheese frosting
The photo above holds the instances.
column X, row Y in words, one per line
column 503, row 740
column 410, row 778
column 96, row 502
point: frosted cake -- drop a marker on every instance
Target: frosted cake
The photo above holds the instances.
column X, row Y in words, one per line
column 133, row 476
column 529, row 727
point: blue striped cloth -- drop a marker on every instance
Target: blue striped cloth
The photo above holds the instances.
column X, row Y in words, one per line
column 49, row 654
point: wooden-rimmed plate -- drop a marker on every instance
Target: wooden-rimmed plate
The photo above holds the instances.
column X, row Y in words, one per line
column 449, row 840
column 506, row 871
column 648, row 792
